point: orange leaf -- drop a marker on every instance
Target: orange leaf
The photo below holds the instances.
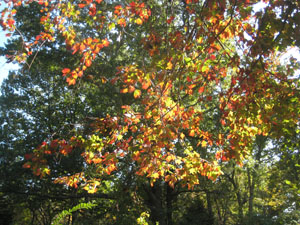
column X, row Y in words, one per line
column 131, row 89
column 82, row 47
column 146, row 84
column 97, row 160
column 110, row 168
column 192, row 133
column 201, row 90
column 71, row 81
column 125, row 90
column 10, row 22
column 66, row 71
column 122, row 22
column 105, row 42
column 88, row 62
column 223, row 122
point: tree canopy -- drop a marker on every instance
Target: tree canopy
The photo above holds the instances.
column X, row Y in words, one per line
column 157, row 93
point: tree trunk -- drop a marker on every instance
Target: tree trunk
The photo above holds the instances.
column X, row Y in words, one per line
column 169, row 205
column 209, row 205
column 160, row 199
column 155, row 203
column 238, row 196
column 240, row 204
column 251, row 185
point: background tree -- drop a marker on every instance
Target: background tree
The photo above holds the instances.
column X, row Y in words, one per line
column 162, row 95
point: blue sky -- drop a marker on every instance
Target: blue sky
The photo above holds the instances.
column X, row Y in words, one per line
column 4, row 67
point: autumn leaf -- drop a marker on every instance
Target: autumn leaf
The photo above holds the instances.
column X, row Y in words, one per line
column 155, row 175
column 137, row 93
column 139, row 21
column 88, row 62
column 192, row 75
column 90, row 189
column 110, row 168
column 122, row 22
column 124, row 90
column 105, row 42
column 170, row 19
column 146, row 84
column 71, row 81
column 26, row 165
column 192, row 133
column 66, row 71
column 169, row 66
column 201, row 90
column 10, row 22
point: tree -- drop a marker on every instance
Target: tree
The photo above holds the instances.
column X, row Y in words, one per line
column 198, row 81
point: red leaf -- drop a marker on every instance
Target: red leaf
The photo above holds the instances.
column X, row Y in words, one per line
column 212, row 57
column 26, row 165
column 170, row 19
column 28, row 156
column 233, row 80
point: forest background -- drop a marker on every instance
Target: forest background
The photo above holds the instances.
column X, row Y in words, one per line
column 150, row 112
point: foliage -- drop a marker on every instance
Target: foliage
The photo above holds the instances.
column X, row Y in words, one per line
column 69, row 212
column 162, row 96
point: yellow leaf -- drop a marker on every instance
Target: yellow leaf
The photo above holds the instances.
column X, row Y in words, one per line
column 137, row 93
column 139, row 21
column 192, row 171
column 205, row 69
column 92, row 191
column 111, row 26
column 170, row 158
column 119, row 137
column 97, row 183
column 178, row 161
column 47, row 171
column 169, row 66
column 155, row 175
column 203, row 143
column 182, row 135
